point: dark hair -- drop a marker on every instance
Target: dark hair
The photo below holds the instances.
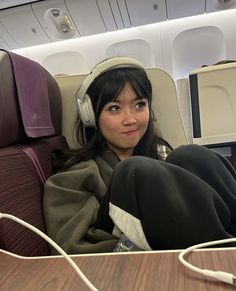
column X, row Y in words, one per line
column 106, row 88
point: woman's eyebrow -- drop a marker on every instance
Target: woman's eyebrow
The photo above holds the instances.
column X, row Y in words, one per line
column 114, row 101
column 139, row 98
column 133, row 100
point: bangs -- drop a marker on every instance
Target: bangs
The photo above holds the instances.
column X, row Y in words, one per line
column 111, row 90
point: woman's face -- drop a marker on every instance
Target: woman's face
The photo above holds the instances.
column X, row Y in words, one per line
column 124, row 121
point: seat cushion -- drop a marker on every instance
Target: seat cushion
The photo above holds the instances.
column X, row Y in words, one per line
column 21, row 194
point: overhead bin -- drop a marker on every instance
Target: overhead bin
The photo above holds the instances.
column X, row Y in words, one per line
column 23, row 26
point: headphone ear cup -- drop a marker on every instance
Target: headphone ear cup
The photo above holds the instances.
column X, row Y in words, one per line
column 86, row 113
column 85, row 108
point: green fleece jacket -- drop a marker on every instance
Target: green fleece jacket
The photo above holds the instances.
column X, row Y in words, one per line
column 71, row 202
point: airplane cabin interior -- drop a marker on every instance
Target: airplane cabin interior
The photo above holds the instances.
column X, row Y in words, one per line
column 188, row 48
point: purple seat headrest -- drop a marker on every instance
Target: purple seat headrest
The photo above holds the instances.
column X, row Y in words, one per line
column 30, row 100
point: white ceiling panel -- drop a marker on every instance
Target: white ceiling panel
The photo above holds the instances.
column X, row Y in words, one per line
column 40, row 8
column 117, row 15
column 86, row 16
column 145, row 12
column 11, row 3
column 183, row 8
column 6, row 40
column 218, row 5
column 124, row 13
column 107, row 15
column 23, row 26
column 3, row 44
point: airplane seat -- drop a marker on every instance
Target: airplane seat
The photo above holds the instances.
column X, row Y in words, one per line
column 26, row 146
column 165, row 106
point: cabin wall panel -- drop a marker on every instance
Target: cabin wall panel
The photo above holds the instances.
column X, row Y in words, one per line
column 136, row 48
column 187, row 46
column 65, row 63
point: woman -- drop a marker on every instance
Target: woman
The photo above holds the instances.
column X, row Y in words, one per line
column 118, row 182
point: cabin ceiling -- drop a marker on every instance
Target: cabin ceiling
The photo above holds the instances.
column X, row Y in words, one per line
column 25, row 23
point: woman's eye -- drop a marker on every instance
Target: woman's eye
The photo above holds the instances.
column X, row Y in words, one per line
column 141, row 104
column 113, row 108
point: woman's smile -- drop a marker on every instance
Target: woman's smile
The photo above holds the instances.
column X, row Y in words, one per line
column 131, row 132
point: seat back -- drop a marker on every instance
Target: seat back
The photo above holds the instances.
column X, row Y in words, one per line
column 165, row 106
column 25, row 162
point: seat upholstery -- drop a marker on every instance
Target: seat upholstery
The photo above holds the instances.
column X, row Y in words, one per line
column 21, row 188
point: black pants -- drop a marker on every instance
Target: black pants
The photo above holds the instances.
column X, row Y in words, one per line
column 188, row 199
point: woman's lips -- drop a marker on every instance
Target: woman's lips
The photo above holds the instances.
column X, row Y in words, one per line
column 131, row 132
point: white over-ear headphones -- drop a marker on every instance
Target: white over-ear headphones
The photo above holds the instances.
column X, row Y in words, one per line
column 85, row 108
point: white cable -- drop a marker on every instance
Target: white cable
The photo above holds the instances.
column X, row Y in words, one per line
column 219, row 275
column 50, row 241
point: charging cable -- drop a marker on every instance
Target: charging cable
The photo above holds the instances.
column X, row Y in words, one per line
column 53, row 244
column 218, row 275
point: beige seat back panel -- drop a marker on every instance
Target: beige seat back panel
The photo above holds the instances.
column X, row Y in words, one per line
column 165, row 106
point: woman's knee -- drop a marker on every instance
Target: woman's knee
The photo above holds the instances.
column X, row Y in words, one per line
column 138, row 168
column 191, row 153
column 136, row 163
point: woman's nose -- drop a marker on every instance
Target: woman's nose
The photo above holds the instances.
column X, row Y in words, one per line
column 129, row 118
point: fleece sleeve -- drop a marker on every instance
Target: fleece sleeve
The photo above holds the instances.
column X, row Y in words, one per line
column 70, row 209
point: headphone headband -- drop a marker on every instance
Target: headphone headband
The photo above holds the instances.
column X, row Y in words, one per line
column 107, row 65
column 85, row 108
